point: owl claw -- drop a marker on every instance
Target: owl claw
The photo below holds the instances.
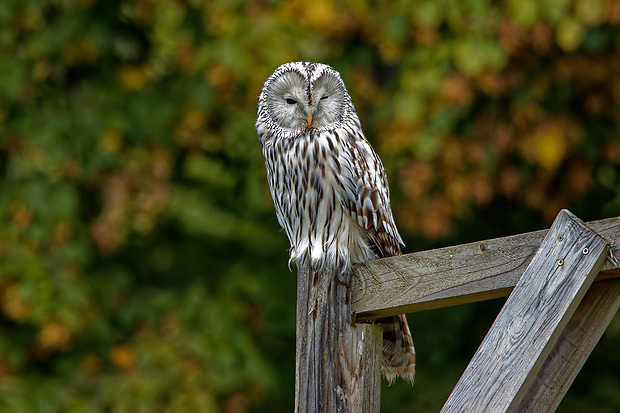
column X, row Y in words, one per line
column 290, row 260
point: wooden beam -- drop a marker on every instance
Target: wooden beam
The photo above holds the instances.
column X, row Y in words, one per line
column 338, row 363
column 533, row 318
column 456, row 275
column 572, row 349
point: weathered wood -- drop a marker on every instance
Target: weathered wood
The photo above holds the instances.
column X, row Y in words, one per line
column 338, row 363
column 531, row 321
column 572, row 349
column 456, row 275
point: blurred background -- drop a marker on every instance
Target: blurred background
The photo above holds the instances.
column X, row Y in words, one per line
column 141, row 265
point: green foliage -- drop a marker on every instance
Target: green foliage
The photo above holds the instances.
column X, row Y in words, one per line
column 141, row 265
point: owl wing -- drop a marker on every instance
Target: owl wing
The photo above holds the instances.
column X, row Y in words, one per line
column 366, row 195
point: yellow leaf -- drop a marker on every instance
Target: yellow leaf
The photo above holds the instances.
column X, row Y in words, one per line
column 54, row 336
column 133, row 77
column 590, row 11
column 12, row 304
column 569, row 34
column 320, row 14
column 550, row 146
column 110, row 141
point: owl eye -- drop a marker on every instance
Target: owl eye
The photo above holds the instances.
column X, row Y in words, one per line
column 290, row 101
column 324, row 97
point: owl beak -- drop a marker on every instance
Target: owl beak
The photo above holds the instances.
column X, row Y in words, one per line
column 309, row 119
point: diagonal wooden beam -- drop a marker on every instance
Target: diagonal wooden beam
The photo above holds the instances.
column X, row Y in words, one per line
column 532, row 319
column 456, row 275
column 572, row 349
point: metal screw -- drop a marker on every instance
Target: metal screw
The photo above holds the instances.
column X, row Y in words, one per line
column 585, row 251
column 560, row 262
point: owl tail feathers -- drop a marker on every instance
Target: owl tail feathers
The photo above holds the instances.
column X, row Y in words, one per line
column 398, row 350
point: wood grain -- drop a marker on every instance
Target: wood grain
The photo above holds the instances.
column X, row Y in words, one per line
column 456, row 275
column 337, row 362
column 533, row 318
column 572, row 349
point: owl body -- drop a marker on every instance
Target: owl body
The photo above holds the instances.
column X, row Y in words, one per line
column 329, row 188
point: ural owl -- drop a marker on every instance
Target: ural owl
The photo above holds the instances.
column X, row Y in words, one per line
column 329, row 187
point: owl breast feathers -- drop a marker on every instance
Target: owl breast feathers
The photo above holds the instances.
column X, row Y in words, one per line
column 328, row 186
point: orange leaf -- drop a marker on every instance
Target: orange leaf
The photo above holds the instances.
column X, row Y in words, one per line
column 123, row 357
column 54, row 336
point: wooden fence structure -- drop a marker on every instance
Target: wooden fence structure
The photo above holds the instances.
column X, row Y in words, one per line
column 563, row 289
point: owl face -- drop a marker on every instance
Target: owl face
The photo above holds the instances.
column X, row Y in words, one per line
column 301, row 96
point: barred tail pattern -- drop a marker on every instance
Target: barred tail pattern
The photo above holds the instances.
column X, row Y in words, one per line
column 398, row 350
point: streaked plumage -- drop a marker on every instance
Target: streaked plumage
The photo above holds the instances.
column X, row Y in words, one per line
column 329, row 187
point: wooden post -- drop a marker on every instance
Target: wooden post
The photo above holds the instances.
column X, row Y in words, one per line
column 524, row 333
column 337, row 362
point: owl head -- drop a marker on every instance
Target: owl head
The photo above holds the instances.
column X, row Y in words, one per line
column 300, row 96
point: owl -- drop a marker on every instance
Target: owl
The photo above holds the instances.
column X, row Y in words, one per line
column 328, row 186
